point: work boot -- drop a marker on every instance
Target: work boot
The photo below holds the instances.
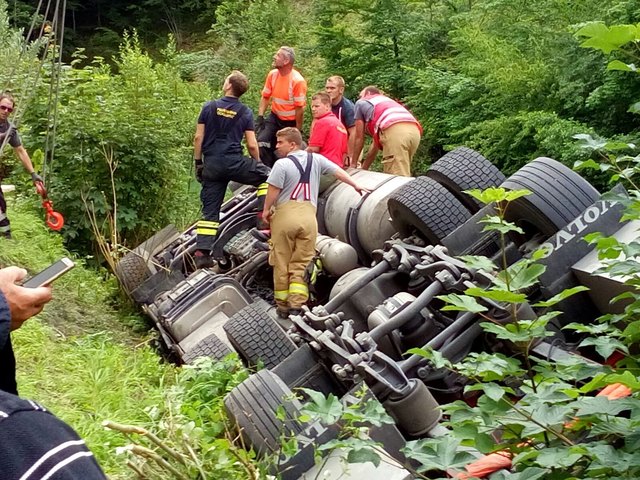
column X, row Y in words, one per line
column 203, row 260
column 295, row 311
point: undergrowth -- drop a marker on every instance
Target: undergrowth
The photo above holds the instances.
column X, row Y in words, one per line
column 88, row 357
column 80, row 357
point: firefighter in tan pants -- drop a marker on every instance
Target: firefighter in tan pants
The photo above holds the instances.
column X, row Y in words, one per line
column 290, row 208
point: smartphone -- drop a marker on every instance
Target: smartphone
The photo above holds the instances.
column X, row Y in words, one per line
column 49, row 274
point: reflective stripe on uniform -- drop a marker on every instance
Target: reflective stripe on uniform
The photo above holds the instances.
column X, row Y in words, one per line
column 281, row 114
column 302, row 188
column 281, row 294
column 316, row 267
column 206, row 227
column 281, row 101
column 208, row 223
column 298, row 289
column 262, row 189
column 5, row 228
column 207, row 231
column 393, row 115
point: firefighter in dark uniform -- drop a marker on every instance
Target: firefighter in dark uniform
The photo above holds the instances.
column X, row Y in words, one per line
column 219, row 158
column 290, row 208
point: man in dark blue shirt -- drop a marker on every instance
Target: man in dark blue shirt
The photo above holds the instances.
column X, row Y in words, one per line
column 344, row 109
column 219, row 158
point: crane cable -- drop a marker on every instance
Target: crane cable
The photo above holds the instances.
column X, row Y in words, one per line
column 35, row 73
column 56, row 71
column 54, row 220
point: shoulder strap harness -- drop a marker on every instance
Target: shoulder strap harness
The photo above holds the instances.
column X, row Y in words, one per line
column 305, row 176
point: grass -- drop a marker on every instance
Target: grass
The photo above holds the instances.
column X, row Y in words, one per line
column 87, row 356
column 86, row 379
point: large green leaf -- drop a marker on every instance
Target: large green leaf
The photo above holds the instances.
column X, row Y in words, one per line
column 607, row 39
column 369, row 411
column 494, row 391
column 434, row 356
column 529, row 473
column 462, row 303
column 521, row 275
column 588, row 142
column 523, row 331
column 478, row 262
column 543, row 417
column 494, row 223
column 563, row 295
column 605, row 346
column 363, row 455
column 437, row 454
column 557, row 457
column 489, row 367
column 359, row 450
column 327, row 409
column 497, row 295
column 625, row 67
column 626, row 378
column 600, row 405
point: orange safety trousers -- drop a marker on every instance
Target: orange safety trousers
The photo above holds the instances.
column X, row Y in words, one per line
column 294, row 229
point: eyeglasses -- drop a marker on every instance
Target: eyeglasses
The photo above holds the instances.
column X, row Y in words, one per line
column 6, row 109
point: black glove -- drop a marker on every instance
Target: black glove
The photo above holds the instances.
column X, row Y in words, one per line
column 259, row 123
column 36, row 178
column 199, row 167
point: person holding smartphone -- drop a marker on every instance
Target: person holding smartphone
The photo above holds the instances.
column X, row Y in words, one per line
column 38, row 444
column 17, row 304
column 9, row 135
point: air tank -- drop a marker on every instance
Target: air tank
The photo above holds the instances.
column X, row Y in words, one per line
column 337, row 257
column 363, row 223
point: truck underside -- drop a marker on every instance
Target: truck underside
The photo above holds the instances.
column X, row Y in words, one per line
column 383, row 260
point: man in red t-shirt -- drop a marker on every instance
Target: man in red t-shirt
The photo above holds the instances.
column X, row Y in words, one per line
column 328, row 135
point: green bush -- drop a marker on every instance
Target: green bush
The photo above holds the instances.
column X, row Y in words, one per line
column 512, row 141
column 79, row 357
column 123, row 146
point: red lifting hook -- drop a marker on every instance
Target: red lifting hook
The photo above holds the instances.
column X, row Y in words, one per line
column 55, row 220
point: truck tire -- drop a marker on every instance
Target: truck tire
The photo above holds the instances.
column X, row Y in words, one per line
column 465, row 169
column 257, row 337
column 210, row 346
column 136, row 266
column 253, row 405
column 132, row 270
column 558, row 196
column 425, row 205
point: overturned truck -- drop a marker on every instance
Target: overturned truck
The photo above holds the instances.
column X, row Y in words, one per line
column 382, row 261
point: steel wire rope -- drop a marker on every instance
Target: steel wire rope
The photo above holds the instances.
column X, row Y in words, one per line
column 53, row 99
column 26, row 43
column 23, row 103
